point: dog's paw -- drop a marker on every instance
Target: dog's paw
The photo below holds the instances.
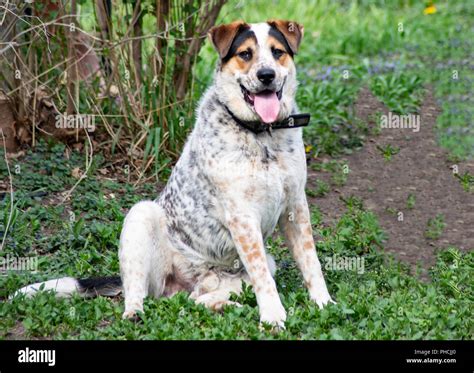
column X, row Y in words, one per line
column 215, row 302
column 273, row 327
column 322, row 299
column 275, row 317
column 132, row 315
column 220, row 306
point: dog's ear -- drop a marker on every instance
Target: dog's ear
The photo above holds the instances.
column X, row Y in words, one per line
column 222, row 36
column 292, row 31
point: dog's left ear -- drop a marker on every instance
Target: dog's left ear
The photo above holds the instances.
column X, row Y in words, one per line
column 292, row 31
column 222, row 36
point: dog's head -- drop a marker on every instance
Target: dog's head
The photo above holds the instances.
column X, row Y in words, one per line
column 256, row 76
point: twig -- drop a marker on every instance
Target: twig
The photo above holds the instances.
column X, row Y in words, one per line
column 11, row 190
column 89, row 159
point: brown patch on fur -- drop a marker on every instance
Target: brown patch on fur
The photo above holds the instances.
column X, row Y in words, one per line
column 301, row 216
column 242, row 240
column 245, row 248
column 254, row 255
column 250, row 248
column 308, row 245
column 292, row 31
column 301, row 219
column 222, row 36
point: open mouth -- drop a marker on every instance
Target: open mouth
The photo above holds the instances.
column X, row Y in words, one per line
column 266, row 103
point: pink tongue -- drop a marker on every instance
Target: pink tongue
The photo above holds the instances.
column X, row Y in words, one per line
column 267, row 106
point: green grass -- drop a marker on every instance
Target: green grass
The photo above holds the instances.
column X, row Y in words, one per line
column 401, row 92
column 322, row 188
column 80, row 237
column 383, row 302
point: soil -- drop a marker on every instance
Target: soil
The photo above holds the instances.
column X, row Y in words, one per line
column 421, row 168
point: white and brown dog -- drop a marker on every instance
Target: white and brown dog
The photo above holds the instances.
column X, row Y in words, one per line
column 242, row 172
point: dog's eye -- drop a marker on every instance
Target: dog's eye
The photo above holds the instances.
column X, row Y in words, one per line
column 245, row 55
column 277, row 53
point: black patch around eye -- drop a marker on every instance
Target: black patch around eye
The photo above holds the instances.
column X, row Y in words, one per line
column 245, row 55
column 277, row 53
column 279, row 36
column 237, row 42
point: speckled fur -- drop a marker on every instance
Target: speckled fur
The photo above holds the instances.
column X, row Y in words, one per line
column 230, row 188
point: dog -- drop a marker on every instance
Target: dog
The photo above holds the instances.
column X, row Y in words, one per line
column 242, row 172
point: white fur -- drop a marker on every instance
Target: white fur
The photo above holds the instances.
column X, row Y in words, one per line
column 63, row 287
column 142, row 243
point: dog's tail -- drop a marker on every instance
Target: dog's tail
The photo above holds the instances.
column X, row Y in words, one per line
column 67, row 286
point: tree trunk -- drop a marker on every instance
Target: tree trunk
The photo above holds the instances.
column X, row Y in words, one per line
column 162, row 16
column 183, row 70
column 137, row 43
column 104, row 15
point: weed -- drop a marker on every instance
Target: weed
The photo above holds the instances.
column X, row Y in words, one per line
column 388, row 151
column 435, row 227
column 401, row 92
column 467, row 181
column 411, row 200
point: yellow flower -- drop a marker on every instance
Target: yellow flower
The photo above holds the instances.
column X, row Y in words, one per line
column 431, row 9
column 308, row 148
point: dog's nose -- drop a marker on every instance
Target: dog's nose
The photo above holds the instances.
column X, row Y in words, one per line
column 266, row 76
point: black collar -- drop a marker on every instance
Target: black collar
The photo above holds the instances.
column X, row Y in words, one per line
column 293, row 121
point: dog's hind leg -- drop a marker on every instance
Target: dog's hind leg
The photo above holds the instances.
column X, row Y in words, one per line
column 145, row 257
column 213, row 290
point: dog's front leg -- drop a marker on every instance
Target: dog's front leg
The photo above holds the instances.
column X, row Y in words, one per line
column 295, row 223
column 247, row 236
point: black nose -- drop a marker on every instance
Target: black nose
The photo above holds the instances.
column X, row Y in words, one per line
column 266, row 76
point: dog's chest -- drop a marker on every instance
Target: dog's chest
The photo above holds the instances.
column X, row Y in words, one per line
column 261, row 176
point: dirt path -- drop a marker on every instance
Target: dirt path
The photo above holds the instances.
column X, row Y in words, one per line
column 420, row 169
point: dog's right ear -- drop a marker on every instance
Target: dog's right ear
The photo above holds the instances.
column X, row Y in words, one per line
column 222, row 36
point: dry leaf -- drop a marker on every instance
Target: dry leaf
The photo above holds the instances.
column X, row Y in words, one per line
column 76, row 173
